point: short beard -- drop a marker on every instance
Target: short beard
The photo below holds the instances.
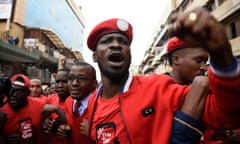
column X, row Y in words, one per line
column 63, row 96
column 113, row 76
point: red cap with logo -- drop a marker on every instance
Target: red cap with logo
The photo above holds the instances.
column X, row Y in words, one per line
column 114, row 25
column 25, row 79
column 175, row 43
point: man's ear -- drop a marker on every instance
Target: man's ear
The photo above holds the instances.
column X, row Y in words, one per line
column 176, row 59
column 94, row 56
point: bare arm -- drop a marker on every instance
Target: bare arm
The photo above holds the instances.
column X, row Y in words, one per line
column 194, row 102
column 47, row 109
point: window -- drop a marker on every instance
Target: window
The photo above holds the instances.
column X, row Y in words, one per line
column 233, row 30
column 237, row 24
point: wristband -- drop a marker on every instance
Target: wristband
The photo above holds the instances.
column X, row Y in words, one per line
column 225, row 69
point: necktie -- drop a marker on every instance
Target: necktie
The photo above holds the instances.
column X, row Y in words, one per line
column 75, row 110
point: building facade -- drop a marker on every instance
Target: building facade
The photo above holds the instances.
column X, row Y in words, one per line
column 37, row 33
column 226, row 11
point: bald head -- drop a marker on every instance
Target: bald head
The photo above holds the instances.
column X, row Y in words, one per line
column 35, row 87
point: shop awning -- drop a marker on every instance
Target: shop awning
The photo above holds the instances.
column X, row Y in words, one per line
column 12, row 53
column 53, row 37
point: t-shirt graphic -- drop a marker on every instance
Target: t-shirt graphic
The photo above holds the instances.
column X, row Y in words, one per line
column 106, row 133
column 27, row 131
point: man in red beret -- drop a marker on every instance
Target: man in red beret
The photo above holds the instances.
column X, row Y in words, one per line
column 186, row 61
column 188, row 67
column 138, row 109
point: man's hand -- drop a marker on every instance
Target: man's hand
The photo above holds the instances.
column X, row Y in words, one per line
column 64, row 131
column 84, row 127
column 199, row 28
column 48, row 109
column 48, row 125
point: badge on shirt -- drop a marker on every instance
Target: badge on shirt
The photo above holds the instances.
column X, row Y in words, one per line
column 27, row 131
column 147, row 111
column 106, row 133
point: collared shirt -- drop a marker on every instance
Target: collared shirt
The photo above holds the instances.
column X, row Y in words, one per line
column 124, row 88
column 83, row 106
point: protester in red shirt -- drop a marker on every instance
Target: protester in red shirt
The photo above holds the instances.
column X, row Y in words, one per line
column 62, row 91
column 36, row 89
column 81, row 82
column 51, row 122
column 23, row 113
column 138, row 109
column 188, row 63
column 188, row 68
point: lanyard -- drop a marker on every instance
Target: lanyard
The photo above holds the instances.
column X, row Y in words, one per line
column 123, row 89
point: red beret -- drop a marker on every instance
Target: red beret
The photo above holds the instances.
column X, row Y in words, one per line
column 109, row 26
column 25, row 79
column 175, row 43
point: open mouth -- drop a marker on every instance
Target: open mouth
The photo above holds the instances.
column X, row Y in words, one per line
column 115, row 57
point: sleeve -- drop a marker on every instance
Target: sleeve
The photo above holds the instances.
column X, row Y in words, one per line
column 226, row 72
column 186, row 129
column 222, row 109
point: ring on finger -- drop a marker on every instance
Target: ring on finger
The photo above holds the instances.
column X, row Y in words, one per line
column 192, row 16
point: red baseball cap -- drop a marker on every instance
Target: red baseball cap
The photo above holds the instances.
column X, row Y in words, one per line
column 114, row 25
column 175, row 43
column 25, row 79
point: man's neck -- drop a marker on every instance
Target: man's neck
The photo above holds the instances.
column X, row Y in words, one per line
column 111, row 88
column 178, row 78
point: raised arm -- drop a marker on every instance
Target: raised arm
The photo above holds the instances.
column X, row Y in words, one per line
column 199, row 28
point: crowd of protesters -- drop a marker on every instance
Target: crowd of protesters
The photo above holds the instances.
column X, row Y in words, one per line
column 185, row 106
column 30, row 117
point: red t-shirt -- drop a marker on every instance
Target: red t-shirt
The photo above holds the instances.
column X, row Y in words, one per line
column 114, row 127
column 55, row 100
column 25, row 121
column 43, row 98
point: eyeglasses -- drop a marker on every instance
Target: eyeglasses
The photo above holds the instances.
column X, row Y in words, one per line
column 79, row 78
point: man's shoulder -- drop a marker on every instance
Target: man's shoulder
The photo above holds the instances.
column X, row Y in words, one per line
column 154, row 77
column 36, row 101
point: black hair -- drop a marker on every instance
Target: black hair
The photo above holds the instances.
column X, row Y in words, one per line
column 65, row 69
column 83, row 63
column 169, row 58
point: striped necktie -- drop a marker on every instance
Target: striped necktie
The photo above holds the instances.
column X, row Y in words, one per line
column 75, row 110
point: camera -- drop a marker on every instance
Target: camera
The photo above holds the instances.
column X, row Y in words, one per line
column 5, row 89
